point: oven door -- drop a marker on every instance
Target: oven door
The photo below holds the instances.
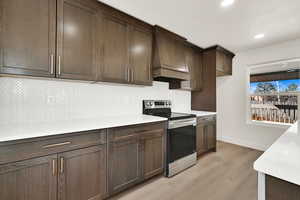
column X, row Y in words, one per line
column 181, row 139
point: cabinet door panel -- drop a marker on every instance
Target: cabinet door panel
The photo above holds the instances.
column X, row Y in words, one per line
column 197, row 72
column 28, row 37
column 76, row 41
column 124, row 164
column 153, row 153
column 83, row 174
column 29, row 180
column 210, row 131
column 140, row 54
column 115, row 51
column 201, row 139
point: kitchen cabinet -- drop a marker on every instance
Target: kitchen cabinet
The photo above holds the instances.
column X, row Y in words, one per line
column 115, row 53
column 82, row 174
column 206, row 134
column 76, row 40
column 141, row 56
column 127, row 52
column 152, row 149
column 169, row 55
column 75, row 168
column 33, row 179
column 124, row 164
column 27, row 37
column 223, row 61
column 140, row 152
column 277, row 189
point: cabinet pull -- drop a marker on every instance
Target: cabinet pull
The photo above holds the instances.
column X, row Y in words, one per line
column 56, row 145
column 59, row 63
column 52, row 63
column 132, row 75
column 62, row 160
column 54, row 167
column 128, row 74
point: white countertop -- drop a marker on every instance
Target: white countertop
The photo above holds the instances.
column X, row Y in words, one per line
column 282, row 159
column 18, row 131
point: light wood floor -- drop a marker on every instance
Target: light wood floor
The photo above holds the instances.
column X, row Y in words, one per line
column 225, row 175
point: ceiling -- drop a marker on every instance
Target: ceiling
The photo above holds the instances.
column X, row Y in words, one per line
column 206, row 22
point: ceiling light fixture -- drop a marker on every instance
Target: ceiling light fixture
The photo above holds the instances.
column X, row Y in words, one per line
column 226, row 3
column 259, row 36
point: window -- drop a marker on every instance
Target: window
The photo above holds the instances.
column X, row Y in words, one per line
column 273, row 93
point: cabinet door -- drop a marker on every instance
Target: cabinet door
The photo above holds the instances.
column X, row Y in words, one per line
column 27, row 37
column 201, row 144
column 210, row 131
column 76, row 40
column 82, row 174
column 115, row 55
column 140, row 56
column 34, row 179
column 123, row 164
column 153, row 153
column 197, row 72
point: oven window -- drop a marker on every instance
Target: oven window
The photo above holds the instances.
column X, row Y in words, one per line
column 182, row 142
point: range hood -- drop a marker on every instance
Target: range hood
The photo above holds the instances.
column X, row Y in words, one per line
column 169, row 60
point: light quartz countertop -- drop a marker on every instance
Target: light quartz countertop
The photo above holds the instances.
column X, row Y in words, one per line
column 19, row 131
column 282, row 159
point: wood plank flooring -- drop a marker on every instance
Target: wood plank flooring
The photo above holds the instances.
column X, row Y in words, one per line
column 225, row 175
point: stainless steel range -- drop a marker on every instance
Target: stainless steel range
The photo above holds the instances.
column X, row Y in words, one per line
column 181, row 136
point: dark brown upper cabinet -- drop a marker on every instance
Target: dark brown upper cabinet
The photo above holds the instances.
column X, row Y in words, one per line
column 141, row 55
column 193, row 56
column 169, row 56
column 76, row 40
column 126, row 50
column 115, row 56
column 27, row 37
column 223, row 60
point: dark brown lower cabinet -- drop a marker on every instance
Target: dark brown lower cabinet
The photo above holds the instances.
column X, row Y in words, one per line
column 277, row 189
column 82, row 174
column 153, row 155
column 206, row 135
column 74, row 175
column 135, row 154
column 124, row 164
column 34, row 179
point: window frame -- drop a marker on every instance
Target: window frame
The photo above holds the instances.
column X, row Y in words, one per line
column 249, row 120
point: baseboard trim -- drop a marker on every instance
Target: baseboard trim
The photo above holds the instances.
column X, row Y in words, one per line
column 243, row 143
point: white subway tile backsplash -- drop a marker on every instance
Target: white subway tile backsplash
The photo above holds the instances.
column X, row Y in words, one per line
column 28, row 100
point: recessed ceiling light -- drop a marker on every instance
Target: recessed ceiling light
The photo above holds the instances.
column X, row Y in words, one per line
column 259, row 36
column 226, row 3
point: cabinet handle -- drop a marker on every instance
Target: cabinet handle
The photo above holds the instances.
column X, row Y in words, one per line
column 56, row 145
column 59, row 63
column 132, row 75
column 52, row 63
column 62, row 160
column 54, row 167
column 128, row 74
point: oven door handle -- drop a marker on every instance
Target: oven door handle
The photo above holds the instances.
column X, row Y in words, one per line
column 181, row 124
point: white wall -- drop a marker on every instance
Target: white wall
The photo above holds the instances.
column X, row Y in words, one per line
column 231, row 98
column 28, row 100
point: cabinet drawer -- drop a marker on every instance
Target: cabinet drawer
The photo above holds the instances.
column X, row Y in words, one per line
column 123, row 133
column 50, row 145
column 206, row 119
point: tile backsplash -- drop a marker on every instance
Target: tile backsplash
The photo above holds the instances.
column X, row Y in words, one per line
column 30, row 100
